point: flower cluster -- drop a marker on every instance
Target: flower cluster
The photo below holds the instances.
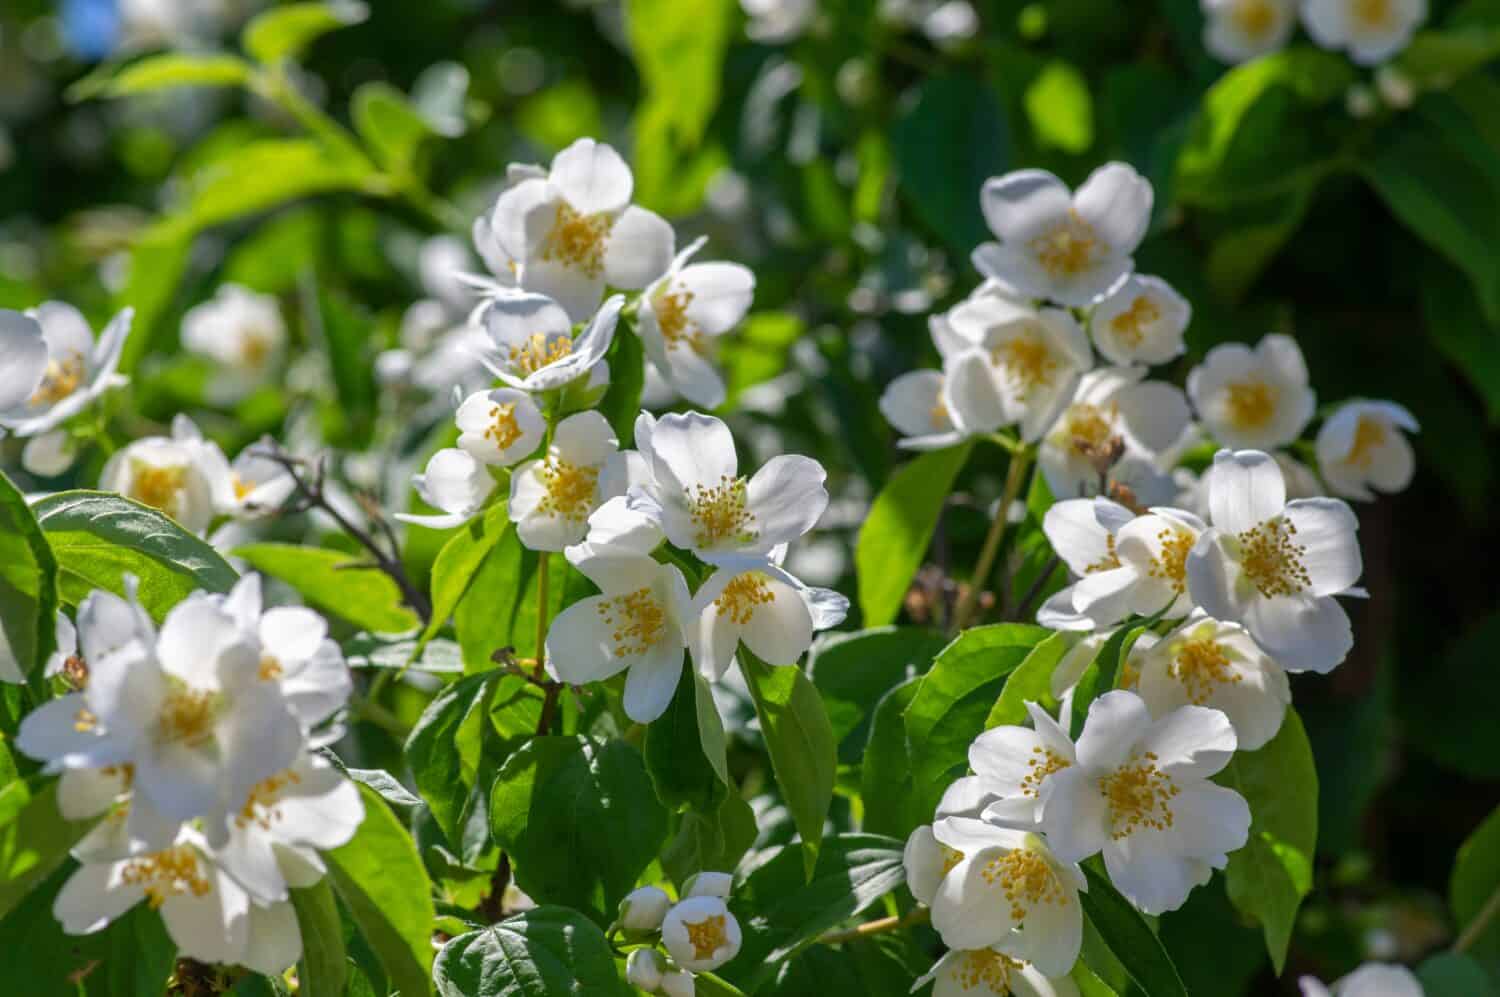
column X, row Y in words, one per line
column 698, row 932
column 1371, row 31
column 193, row 748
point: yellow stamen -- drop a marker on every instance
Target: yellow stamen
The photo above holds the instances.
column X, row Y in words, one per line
column 255, row 348
column 1068, row 248
column 1027, row 361
column 84, row 721
column 1254, row 18
column 1371, row 14
column 61, row 378
column 639, row 622
column 938, row 415
column 242, row 488
column 187, row 716
column 1171, row 564
column 269, row 669
column 1026, row 879
column 1201, row 666
column 1272, row 560
column 742, row 595
column 570, row 489
column 171, row 873
column 1369, row 435
column 720, row 512
column 577, row 240
column 1251, row 404
column 676, row 328
column 1042, row 763
column 1129, row 325
column 984, row 968
column 1089, row 429
column 157, row 487
column 1138, row 795
column 538, row 351
column 504, row 430
column 260, row 805
column 951, row 858
column 707, row 936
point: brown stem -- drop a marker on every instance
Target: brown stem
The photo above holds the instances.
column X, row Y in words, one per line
column 1015, row 475
column 886, row 924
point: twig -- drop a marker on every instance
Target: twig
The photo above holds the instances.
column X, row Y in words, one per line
column 1023, row 608
column 1476, row 927
column 886, row 924
column 1014, row 477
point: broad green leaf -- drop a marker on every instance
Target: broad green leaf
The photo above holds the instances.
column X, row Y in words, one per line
column 444, row 747
column 1101, row 675
column 459, row 561
column 544, row 952
column 1457, row 326
column 380, row 879
column 389, row 124
column 853, row 671
column 151, row 278
column 710, row 842
column 343, row 328
column 799, row 740
column 499, row 609
column 99, row 537
column 1031, row 682
column 335, row 582
column 1268, row 878
column 1435, row 58
column 34, row 843
column 389, row 788
column 324, row 967
column 1452, row 974
column 1060, row 108
column 285, row 32
column 403, row 652
column 579, row 819
column 1474, row 889
column 1214, row 947
column 627, row 377
column 781, row 911
column 892, row 804
column 894, row 538
column 1130, row 938
column 711, row 985
column 166, row 71
column 28, row 587
column 679, row 756
column 877, row 967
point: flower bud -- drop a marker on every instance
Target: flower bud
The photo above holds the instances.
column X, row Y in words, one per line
column 644, row 969
column 642, row 910
column 708, row 884
column 1395, row 87
column 1360, row 102
column 701, row 934
column 678, row 985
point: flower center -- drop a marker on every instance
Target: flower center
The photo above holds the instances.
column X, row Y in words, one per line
column 1272, row 560
column 984, row 968
column 539, row 351
column 1254, row 18
column 242, row 488
column 1138, row 795
column 721, row 512
column 255, row 348
column 85, row 720
column 707, row 936
column 187, row 716
column 261, row 805
column 1251, row 404
column 570, row 489
column 1129, row 325
column 169, row 873
column 1201, row 666
column 1089, row 429
column 938, row 415
column 1027, row 362
column 1042, row 763
column 157, row 487
column 1369, row 435
column 577, row 240
column 61, row 378
column 1171, row 564
column 504, row 430
column 742, row 595
column 676, row 328
column 269, row 670
column 1371, row 14
column 1069, row 247
column 637, row 620
column 951, row 858
column 1026, row 879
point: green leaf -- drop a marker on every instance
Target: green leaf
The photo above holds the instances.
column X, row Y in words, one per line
column 99, row 537
column 1129, row 937
column 1435, row 58
column 1214, row 947
column 1474, row 889
column 403, row 652
column 1031, row 682
column 892, row 804
column 853, row 671
column 389, row 124
column 380, row 879
column 710, row 842
column 781, row 911
column 800, row 741
column 544, row 952
column 459, row 562
column 1457, row 326
column 366, row 597
column 324, row 967
column 894, row 537
column 151, row 279
column 757, row 351
column 285, row 32
column 28, row 586
column 680, row 757
column 499, row 609
column 1060, row 108
column 1453, row 974
column 444, row 747
column 166, row 71
column 1268, row 878
column 1101, row 675
column 34, row 843
column 877, row 967
column 579, row 819
column 627, row 378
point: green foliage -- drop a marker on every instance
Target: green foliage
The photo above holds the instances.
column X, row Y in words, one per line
column 1031, row 682
column 392, row 128
column 854, row 671
column 285, row 32
column 34, row 842
column 166, row 71
column 892, row 803
column 1130, row 938
column 1474, row 888
column 444, row 748
column 685, row 748
column 627, row 376
column 1454, row 975
column 540, row 953
column 28, row 584
column 335, row 582
column 323, row 968
column 459, row 563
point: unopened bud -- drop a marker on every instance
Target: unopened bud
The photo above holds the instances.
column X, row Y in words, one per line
column 644, row 969
column 678, row 985
column 708, row 884
column 1395, row 87
column 1360, row 102
column 642, row 911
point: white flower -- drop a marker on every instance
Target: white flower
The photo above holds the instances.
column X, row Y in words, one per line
column 251, row 487
column 49, row 454
column 1113, row 407
column 23, row 359
column 708, row 884
column 575, row 232
column 505, row 269
column 1361, row 448
column 532, row 345
column 77, row 369
column 455, row 483
column 1035, row 358
column 1253, row 398
column 1084, row 533
column 751, row 599
column 1239, row 30
column 936, row 409
column 552, row 497
column 1371, row 30
column 1209, row 663
column 1070, row 248
column 1275, row 565
column 616, row 528
column 1373, row 979
column 775, row 22
column 991, row 973
column 1139, row 793
column 174, row 475
column 643, row 908
column 644, row 969
column 681, row 316
column 700, row 934
column 1011, row 763
column 704, row 505
column 241, row 331
column 1141, row 323
column 500, row 427
column 636, row 623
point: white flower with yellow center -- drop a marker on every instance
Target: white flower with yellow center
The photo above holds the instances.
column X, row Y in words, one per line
column 1362, row 449
column 1141, row 323
column 936, row 409
column 574, row 233
column 455, row 484
column 504, row 268
column 637, row 623
column 1253, row 398
column 701, row 934
column 252, row 486
column 1206, row 662
column 695, row 491
column 1116, row 421
column 174, row 475
column 499, row 427
column 1240, row 30
column 1140, row 793
column 1373, row 979
column 243, row 333
column 77, row 369
column 532, row 345
column 1035, row 358
column 1275, row 566
column 682, row 315
column 991, row 973
column 754, row 600
column 1371, row 30
column 1012, row 764
column 1084, row 534
column 552, row 497
column 1149, row 572
column 1070, row 248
